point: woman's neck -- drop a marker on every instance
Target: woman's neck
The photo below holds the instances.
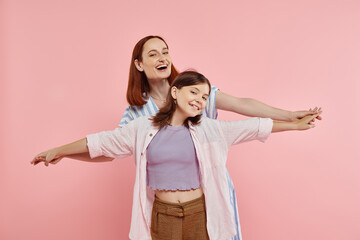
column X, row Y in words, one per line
column 159, row 88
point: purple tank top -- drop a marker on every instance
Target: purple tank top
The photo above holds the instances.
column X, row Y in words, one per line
column 172, row 163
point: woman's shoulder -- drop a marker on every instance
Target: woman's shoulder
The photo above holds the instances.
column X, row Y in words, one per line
column 143, row 120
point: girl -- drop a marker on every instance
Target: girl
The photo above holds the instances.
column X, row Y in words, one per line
column 181, row 181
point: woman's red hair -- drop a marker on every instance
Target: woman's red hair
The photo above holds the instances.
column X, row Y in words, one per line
column 138, row 83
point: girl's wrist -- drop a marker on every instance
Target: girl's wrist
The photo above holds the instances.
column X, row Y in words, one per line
column 296, row 125
column 58, row 152
column 292, row 116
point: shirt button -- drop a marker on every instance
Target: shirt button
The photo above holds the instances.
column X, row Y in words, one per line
column 150, row 134
column 142, row 154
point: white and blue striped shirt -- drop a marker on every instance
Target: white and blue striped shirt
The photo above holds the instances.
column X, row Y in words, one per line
column 150, row 109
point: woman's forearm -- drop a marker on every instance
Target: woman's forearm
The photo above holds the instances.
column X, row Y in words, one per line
column 255, row 108
column 251, row 107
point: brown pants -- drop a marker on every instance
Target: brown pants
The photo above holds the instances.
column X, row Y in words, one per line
column 179, row 221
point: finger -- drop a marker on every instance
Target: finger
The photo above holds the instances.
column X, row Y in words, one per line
column 36, row 159
column 309, row 118
column 314, row 116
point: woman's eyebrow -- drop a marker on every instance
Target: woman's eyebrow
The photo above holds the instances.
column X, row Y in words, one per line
column 165, row 48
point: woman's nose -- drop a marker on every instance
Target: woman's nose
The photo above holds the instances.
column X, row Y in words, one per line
column 162, row 58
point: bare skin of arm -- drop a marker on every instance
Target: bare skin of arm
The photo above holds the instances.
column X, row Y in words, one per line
column 86, row 158
column 254, row 108
column 76, row 150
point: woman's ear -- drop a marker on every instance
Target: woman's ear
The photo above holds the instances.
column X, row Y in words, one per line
column 138, row 65
column 173, row 92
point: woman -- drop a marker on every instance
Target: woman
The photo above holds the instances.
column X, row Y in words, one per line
column 168, row 205
column 151, row 74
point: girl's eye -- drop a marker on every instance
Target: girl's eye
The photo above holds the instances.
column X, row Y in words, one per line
column 152, row 55
column 165, row 52
column 205, row 98
column 193, row 92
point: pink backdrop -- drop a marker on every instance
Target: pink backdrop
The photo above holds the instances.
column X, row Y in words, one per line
column 64, row 67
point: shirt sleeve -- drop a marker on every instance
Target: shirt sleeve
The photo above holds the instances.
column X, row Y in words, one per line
column 236, row 132
column 127, row 117
column 210, row 110
column 118, row 143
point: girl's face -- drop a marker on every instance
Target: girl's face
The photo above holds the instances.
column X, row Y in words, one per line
column 191, row 100
column 156, row 61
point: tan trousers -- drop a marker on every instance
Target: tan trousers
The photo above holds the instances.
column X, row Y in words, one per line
column 179, row 221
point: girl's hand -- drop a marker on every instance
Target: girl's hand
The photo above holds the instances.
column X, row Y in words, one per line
column 50, row 156
column 306, row 122
column 301, row 114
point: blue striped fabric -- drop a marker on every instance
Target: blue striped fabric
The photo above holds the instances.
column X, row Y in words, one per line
column 150, row 109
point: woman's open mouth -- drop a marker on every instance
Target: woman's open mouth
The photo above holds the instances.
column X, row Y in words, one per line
column 162, row 67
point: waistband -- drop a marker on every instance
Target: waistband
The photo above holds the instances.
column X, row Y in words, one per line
column 180, row 209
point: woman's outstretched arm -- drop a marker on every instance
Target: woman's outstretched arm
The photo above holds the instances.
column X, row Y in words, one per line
column 254, row 108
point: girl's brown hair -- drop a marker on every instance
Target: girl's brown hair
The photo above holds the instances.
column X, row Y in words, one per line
column 187, row 78
column 138, row 83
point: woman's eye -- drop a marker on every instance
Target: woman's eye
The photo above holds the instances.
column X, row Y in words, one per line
column 152, row 55
column 165, row 52
column 193, row 92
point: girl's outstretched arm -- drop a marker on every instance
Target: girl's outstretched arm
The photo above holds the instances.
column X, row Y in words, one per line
column 254, row 108
column 302, row 124
column 56, row 154
column 86, row 157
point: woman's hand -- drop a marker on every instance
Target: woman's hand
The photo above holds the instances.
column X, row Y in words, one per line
column 50, row 156
column 301, row 114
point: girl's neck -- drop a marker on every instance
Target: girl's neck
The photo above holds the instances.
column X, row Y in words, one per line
column 178, row 118
column 159, row 88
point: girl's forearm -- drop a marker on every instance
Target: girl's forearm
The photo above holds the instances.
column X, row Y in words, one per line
column 302, row 124
column 76, row 147
column 86, row 157
column 283, row 126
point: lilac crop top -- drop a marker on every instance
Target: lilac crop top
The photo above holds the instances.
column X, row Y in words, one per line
column 172, row 163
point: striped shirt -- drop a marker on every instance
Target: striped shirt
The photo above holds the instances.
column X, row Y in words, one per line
column 150, row 109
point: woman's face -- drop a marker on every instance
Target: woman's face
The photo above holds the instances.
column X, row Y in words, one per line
column 191, row 100
column 156, row 61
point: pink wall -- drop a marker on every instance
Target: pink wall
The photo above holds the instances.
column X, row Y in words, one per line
column 64, row 67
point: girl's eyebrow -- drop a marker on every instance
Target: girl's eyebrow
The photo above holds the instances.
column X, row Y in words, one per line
column 199, row 91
